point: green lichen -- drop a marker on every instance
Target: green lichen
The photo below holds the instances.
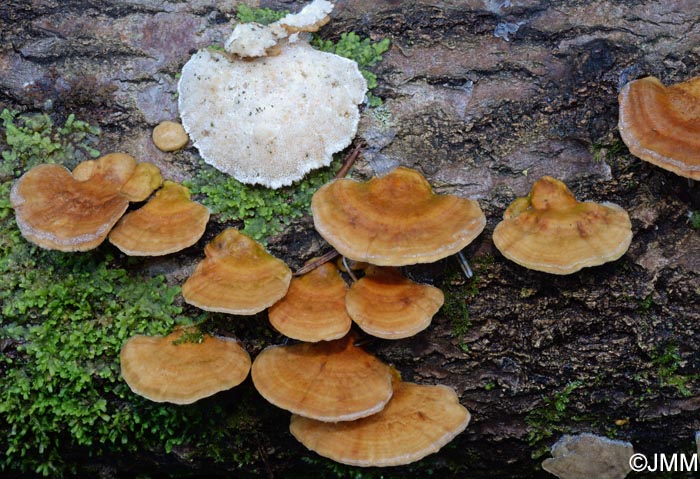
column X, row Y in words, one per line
column 64, row 318
column 262, row 212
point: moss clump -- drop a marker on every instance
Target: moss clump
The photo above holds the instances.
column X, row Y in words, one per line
column 264, row 16
column 668, row 362
column 546, row 420
column 694, row 219
column 363, row 51
column 263, row 212
column 33, row 139
column 64, row 319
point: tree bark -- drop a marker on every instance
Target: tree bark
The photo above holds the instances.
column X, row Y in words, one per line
column 484, row 97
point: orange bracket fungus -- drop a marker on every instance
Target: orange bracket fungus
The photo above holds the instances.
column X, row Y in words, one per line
column 327, row 381
column 166, row 369
column 314, row 307
column 394, row 220
column 661, row 124
column 387, row 305
column 271, row 119
column 134, row 180
column 418, row 421
column 114, row 169
column 56, row 211
column 145, row 180
column 550, row 231
column 237, row 276
column 168, row 223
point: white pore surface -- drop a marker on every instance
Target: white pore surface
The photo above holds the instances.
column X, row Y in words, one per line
column 270, row 120
column 250, row 40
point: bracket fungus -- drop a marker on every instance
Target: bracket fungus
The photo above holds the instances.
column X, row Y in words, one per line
column 586, row 456
column 394, row 220
column 326, row 381
column 661, row 124
column 56, row 211
column 237, row 276
column 386, row 304
column 417, row 421
column 270, row 119
column 122, row 172
column 550, row 231
column 314, row 307
column 114, row 169
column 144, row 181
column 168, row 223
column 164, row 369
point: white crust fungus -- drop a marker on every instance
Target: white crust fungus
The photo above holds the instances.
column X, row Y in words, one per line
column 270, row 120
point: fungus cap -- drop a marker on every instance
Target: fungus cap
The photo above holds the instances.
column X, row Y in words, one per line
column 250, row 40
column 121, row 172
column 56, row 211
column 661, row 124
column 327, row 381
column 114, row 169
column 585, row 456
column 394, row 220
column 314, row 307
column 312, row 17
column 387, row 305
column 418, row 421
column 145, row 179
column 168, row 223
column 169, row 136
column 270, row 120
column 550, row 231
column 162, row 369
column 237, row 276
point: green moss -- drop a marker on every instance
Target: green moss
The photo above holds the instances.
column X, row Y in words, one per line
column 608, row 149
column 459, row 292
column 31, row 139
column 668, row 363
column 456, row 309
column 190, row 335
column 546, row 420
column 262, row 212
column 265, row 16
column 363, row 51
column 64, row 319
column 694, row 219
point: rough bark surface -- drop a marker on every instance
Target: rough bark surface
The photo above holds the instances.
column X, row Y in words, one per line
column 484, row 97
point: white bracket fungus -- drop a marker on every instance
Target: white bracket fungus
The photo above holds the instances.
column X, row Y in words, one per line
column 271, row 119
column 587, row 456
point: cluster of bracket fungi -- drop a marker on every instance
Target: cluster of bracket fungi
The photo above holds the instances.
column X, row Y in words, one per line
column 345, row 404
